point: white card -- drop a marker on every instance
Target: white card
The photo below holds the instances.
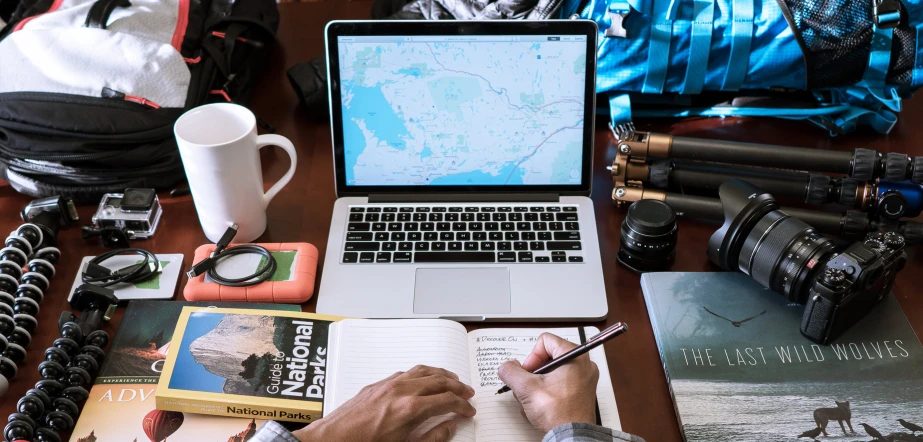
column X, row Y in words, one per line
column 160, row 287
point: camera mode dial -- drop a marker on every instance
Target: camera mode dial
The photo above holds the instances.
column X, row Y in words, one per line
column 893, row 240
column 834, row 278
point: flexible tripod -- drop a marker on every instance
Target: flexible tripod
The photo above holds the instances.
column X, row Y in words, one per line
column 26, row 269
column 70, row 366
column 851, row 224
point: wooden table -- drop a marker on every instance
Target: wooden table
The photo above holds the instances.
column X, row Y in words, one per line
column 301, row 212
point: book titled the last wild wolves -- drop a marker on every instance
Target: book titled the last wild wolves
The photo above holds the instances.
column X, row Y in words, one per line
column 233, row 362
column 739, row 369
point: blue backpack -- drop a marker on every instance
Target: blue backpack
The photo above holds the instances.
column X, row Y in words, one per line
column 836, row 63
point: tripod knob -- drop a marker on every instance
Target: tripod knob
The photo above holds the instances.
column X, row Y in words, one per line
column 896, row 166
column 818, row 189
column 855, row 224
column 916, row 172
column 912, row 231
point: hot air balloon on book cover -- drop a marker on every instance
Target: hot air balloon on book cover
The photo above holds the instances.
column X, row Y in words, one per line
column 121, row 403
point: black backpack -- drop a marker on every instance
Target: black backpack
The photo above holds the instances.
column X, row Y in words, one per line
column 90, row 89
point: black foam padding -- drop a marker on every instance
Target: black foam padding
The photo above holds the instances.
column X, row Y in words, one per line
column 916, row 174
column 849, row 189
column 863, row 164
column 659, row 173
column 855, row 224
column 818, row 188
column 896, row 166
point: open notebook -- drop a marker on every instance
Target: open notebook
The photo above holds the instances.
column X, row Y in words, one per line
column 367, row 351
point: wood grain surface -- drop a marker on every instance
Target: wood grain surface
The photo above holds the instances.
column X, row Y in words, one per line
column 301, row 212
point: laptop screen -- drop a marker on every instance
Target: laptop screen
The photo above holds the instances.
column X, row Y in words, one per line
column 463, row 110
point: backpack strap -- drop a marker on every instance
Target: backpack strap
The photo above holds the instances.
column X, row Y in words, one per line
column 98, row 17
column 879, row 57
column 741, row 36
column 658, row 51
column 699, row 47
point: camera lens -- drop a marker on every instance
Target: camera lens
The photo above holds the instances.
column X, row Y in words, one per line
column 777, row 250
column 782, row 253
column 648, row 236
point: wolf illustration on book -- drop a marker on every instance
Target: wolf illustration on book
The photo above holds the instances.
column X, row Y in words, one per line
column 841, row 413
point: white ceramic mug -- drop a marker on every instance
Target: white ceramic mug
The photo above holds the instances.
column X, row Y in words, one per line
column 221, row 155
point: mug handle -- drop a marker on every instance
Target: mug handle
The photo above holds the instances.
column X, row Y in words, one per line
column 284, row 143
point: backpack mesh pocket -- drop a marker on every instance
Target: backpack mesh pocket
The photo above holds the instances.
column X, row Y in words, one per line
column 836, row 36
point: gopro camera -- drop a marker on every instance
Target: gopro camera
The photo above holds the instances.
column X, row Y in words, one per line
column 135, row 212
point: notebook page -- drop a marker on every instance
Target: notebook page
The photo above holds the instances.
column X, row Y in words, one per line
column 368, row 351
column 499, row 418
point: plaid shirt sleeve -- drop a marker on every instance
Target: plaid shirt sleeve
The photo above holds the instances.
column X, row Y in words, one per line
column 578, row 432
column 273, row 432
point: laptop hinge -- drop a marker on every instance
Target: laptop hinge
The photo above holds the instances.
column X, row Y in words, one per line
column 464, row 198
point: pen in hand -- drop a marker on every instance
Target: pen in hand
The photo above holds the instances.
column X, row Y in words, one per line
column 591, row 343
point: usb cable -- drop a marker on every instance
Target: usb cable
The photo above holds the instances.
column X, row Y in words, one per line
column 94, row 272
column 222, row 251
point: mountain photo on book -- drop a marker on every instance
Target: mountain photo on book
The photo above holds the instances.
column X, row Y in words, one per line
column 246, row 354
column 740, row 370
column 121, row 405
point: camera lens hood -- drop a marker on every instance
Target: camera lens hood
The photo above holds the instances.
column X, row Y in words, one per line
column 744, row 205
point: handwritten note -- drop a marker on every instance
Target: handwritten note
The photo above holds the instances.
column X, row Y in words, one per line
column 499, row 417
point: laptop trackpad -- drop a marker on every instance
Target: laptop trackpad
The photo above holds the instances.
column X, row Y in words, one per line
column 462, row 291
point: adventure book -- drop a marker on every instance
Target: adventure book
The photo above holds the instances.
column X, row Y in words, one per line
column 121, row 404
column 246, row 363
column 739, row 368
column 313, row 361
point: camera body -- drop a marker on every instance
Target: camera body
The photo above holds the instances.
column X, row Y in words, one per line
column 135, row 212
column 852, row 282
column 787, row 256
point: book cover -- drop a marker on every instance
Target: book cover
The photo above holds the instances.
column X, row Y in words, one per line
column 121, row 403
column 739, row 368
column 247, row 363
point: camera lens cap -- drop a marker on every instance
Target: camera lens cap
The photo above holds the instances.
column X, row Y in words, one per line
column 651, row 217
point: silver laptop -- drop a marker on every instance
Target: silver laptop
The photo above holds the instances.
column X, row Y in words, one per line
column 463, row 156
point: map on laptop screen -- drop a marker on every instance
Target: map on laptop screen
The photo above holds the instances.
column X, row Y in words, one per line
column 463, row 110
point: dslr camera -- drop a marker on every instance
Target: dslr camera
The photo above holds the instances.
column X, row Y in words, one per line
column 837, row 285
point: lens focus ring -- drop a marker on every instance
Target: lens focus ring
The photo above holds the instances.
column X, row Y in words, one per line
column 769, row 242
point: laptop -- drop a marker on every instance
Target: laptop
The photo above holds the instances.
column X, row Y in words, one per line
column 463, row 161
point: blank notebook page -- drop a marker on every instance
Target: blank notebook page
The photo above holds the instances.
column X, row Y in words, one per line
column 369, row 351
column 499, row 418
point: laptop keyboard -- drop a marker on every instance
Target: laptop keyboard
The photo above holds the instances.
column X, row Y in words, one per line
column 462, row 234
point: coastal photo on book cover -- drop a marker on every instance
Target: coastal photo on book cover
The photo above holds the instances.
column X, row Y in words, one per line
column 739, row 369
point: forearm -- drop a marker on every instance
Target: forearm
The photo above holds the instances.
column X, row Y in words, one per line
column 580, row 432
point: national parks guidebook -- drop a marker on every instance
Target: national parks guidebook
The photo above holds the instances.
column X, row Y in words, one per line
column 235, row 362
column 739, row 369
column 121, row 403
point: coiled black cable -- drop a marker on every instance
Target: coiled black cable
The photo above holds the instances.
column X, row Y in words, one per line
column 261, row 275
column 222, row 251
column 95, row 273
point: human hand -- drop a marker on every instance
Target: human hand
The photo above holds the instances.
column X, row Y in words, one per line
column 391, row 409
column 566, row 395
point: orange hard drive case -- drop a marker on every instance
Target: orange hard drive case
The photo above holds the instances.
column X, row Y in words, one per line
column 297, row 290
